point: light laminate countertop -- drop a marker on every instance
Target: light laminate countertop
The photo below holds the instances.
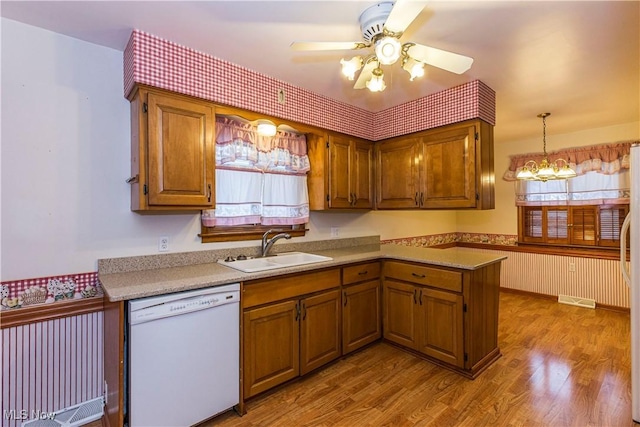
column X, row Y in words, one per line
column 129, row 285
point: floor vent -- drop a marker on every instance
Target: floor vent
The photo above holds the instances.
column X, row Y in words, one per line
column 580, row 302
column 73, row 416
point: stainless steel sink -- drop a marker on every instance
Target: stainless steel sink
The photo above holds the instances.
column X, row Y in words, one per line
column 283, row 260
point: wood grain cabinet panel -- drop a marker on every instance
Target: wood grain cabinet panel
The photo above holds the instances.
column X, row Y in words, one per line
column 319, row 330
column 361, row 323
column 341, row 175
column 271, row 344
column 440, row 333
column 400, row 312
column 450, row 167
column 173, row 158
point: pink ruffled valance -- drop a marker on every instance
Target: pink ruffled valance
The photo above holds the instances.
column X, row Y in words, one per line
column 604, row 158
column 239, row 146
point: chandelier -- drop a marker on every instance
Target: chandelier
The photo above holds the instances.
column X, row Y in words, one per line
column 545, row 171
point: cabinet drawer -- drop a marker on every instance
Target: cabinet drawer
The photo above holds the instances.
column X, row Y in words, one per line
column 428, row 276
column 264, row 291
column 360, row 273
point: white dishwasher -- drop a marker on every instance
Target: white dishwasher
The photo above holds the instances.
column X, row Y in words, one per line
column 184, row 352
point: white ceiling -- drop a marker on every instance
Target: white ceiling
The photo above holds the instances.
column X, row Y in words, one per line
column 578, row 60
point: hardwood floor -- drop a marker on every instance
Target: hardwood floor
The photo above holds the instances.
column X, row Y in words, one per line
column 560, row 366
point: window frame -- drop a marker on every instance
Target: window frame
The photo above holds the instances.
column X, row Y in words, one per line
column 527, row 221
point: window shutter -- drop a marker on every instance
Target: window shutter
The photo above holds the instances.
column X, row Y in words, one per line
column 583, row 229
column 557, row 225
column 532, row 224
column 611, row 218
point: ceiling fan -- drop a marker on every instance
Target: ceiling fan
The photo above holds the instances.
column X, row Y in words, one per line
column 382, row 26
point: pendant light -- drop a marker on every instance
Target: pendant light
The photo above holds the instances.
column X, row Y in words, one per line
column 545, row 171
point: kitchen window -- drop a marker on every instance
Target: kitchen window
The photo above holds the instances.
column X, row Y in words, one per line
column 586, row 211
column 586, row 225
column 261, row 183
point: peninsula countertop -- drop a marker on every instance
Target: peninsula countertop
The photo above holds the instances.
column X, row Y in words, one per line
column 120, row 286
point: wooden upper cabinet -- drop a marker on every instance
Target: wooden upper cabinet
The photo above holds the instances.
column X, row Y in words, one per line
column 450, row 167
column 341, row 172
column 397, row 174
column 173, row 154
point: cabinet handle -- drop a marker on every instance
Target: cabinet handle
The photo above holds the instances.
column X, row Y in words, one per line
column 362, row 273
column 355, row 199
column 421, row 276
column 209, row 193
column 415, row 292
column 297, row 312
column 416, row 198
column 345, row 298
column 304, row 312
column 420, row 298
column 421, row 198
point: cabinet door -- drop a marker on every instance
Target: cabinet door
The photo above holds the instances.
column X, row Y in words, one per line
column 271, row 346
column 439, row 319
column 361, row 172
column 448, row 169
column 360, row 315
column 397, row 174
column 319, row 330
column 400, row 301
column 340, row 160
column 180, row 152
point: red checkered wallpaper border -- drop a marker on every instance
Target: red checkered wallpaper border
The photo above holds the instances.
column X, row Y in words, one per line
column 19, row 293
column 163, row 64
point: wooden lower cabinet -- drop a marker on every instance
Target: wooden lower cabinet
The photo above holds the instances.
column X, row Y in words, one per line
column 284, row 340
column 440, row 333
column 449, row 316
column 361, row 323
column 271, row 345
column 425, row 320
column 400, row 312
column 319, row 330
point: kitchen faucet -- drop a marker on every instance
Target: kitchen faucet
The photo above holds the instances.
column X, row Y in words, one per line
column 268, row 243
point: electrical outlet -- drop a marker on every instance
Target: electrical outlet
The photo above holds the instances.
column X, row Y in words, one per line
column 572, row 267
column 335, row 231
column 163, row 244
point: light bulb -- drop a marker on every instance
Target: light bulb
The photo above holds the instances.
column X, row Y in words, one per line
column 376, row 84
column 350, row 67
column 413, row 67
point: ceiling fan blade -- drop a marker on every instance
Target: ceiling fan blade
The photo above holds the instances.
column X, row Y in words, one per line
column 327, row 45
column 365, row 75
column 440, row 58
column 403, row 14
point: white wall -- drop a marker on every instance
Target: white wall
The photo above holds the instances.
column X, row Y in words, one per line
column 65, row 148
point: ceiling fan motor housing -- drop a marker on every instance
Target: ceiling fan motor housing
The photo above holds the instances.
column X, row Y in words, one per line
column 373, row 18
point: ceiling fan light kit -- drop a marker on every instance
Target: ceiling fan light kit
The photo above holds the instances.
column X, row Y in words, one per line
column 382, row 26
